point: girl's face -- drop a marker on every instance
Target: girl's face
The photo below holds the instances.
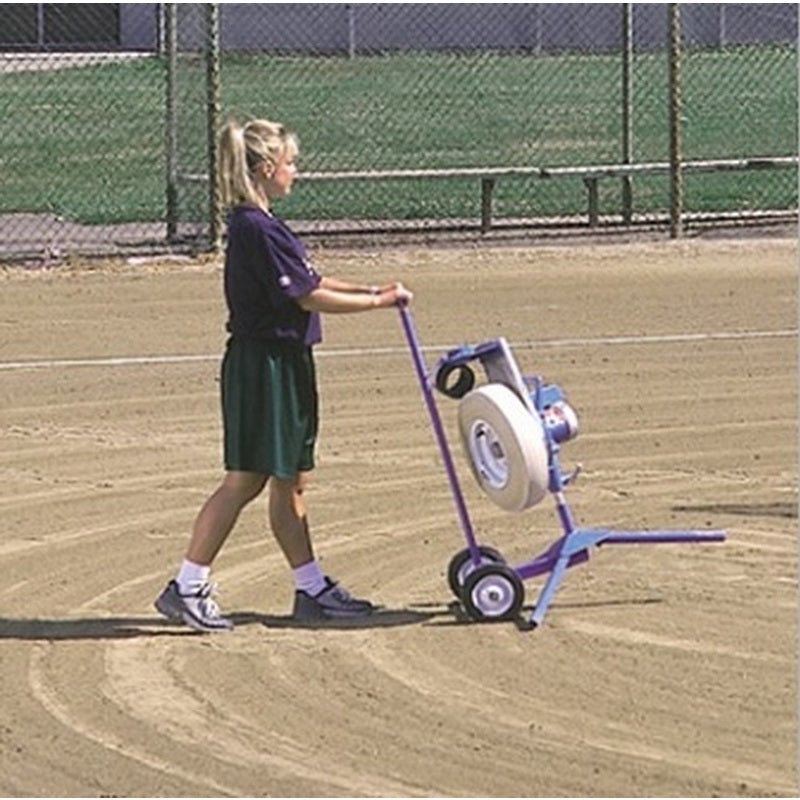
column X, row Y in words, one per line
column 278, row 180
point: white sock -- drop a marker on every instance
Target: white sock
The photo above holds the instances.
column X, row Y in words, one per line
column 192, row 576
column 309, row 578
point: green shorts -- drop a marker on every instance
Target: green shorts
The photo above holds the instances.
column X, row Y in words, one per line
column 269, row 407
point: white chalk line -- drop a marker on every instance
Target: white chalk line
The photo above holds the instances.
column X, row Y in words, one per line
column 349, row 352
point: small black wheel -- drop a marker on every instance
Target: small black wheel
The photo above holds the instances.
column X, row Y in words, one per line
column 461, row 565
column 493, row 592
column 458, row 387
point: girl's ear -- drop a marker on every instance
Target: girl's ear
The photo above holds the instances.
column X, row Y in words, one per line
column 267, row 169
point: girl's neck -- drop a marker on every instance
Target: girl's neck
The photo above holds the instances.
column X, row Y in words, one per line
column 264, row 206
column 260, row 206
column 263, row 200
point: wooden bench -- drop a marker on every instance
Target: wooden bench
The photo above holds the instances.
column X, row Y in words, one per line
column 590, row 175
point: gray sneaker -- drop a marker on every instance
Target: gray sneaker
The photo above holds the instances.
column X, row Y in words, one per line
column 333, row 602
column 197, row 610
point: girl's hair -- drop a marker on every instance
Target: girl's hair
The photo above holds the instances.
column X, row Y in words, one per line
column 242, row 148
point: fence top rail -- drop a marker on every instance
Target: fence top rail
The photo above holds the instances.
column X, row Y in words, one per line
column 449, row 172
column 598, row 170
column 401, row 174
column 660, row 167
column 586, row 172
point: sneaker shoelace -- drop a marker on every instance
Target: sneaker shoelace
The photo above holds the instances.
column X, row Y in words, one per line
column 343, row 596
column 207, row 604
column 340, row 593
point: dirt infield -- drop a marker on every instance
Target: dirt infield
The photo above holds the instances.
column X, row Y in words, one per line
column 659, row 671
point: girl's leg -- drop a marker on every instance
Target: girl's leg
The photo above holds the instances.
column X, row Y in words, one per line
column 288, row 518
column 219, row 514
column 189, row 597
column 316, row 595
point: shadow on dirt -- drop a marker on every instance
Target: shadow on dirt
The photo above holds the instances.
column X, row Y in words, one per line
column 784, row 510
column 455, row 614
column 105, row 628
column 136, row 627
column 427, row 614
column 383, row 618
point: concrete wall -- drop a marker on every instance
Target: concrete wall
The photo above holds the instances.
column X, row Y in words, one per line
column 342, row 28
column 546, row 27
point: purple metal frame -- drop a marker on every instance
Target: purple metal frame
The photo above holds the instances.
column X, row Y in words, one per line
column 572, row 548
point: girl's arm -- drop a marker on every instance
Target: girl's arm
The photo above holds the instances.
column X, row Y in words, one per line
column 353, row 288
column 334, row 296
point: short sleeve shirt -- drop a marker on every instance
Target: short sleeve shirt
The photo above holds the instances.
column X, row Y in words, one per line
column 266, row 271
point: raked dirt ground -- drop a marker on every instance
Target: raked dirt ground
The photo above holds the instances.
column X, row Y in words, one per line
column 663, row 670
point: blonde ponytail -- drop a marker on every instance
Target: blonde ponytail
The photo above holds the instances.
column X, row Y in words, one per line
column 242, row 148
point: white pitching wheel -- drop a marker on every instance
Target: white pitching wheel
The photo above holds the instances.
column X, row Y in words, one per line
column 505, row 446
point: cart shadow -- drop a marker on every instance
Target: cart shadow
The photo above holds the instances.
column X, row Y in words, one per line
column 780, row 509
column 458, row 617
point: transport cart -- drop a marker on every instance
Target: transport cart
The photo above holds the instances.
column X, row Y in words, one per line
column 512, row 428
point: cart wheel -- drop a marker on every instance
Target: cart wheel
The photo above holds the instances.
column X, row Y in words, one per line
column 505, row 445
column 463, row 383
column 461, row 565
column 492, row 593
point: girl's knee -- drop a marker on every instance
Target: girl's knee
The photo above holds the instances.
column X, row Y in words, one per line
column 297, row 484
column 287, row 493
column 246, row 485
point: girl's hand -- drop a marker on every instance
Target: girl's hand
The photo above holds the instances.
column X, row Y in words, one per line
column 393, row 294
column 403, row 296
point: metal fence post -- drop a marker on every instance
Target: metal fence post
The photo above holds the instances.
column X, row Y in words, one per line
column 351, row 30
column 675, row 124
column 627, row 109
column 170, row 118
column 213, row 118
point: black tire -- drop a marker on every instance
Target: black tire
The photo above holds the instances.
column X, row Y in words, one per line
column 461, row 565
column 463, row 383
column 493, row 593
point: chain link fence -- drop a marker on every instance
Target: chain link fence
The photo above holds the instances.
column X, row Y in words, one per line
column 410, row 116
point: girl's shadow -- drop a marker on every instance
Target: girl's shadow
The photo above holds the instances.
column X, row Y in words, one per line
column 133, row 627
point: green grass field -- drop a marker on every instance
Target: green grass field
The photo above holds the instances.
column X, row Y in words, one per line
column 89, row 143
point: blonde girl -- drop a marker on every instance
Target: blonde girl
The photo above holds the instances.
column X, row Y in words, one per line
column 275, row 299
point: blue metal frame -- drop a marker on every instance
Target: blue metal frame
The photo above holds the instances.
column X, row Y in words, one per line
column 574, row 546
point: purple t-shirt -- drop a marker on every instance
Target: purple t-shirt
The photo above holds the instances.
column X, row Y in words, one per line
column 266, row 270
